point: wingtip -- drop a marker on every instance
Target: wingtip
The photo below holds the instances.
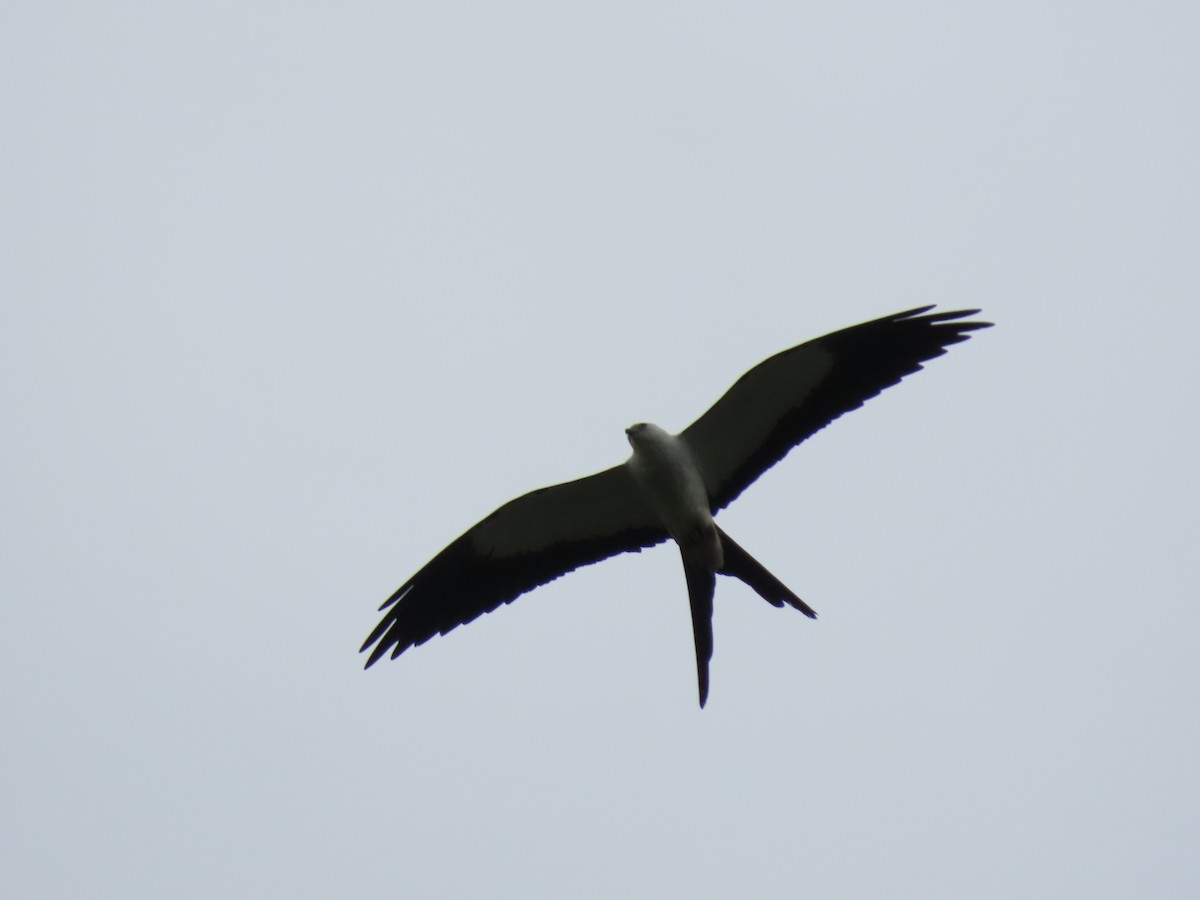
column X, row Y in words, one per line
column 946, row 315
column 931, row 313
column 396, row 596
column 910, row 313
column 380, row 648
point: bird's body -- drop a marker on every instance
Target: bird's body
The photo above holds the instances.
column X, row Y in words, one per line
column 665, row 471
column 671, row 487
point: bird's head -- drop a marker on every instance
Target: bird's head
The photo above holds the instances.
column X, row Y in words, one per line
column 642, row 433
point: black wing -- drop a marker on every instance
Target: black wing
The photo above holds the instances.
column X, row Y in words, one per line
column 525, row 543
column 796, row 393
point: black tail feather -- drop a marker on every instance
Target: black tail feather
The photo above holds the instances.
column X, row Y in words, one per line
column 741, row 564
column 701, row 584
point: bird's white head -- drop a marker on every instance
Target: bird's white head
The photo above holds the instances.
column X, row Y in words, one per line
column 644, row 433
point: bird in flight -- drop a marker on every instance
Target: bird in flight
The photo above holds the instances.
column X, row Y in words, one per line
column 671, row 487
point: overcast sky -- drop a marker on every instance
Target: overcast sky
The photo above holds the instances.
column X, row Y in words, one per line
column 292, row 294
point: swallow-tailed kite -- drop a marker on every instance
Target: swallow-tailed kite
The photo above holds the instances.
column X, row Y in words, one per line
column 671, row 486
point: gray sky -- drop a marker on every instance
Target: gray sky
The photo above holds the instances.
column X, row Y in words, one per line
column 292, row 295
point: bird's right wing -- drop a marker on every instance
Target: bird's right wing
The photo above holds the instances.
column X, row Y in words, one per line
column 525, row 543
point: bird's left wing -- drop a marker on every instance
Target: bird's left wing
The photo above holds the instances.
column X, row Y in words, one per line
column 796, row 393
column 525, row 543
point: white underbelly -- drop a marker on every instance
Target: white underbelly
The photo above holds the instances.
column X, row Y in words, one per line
column 667, row 474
